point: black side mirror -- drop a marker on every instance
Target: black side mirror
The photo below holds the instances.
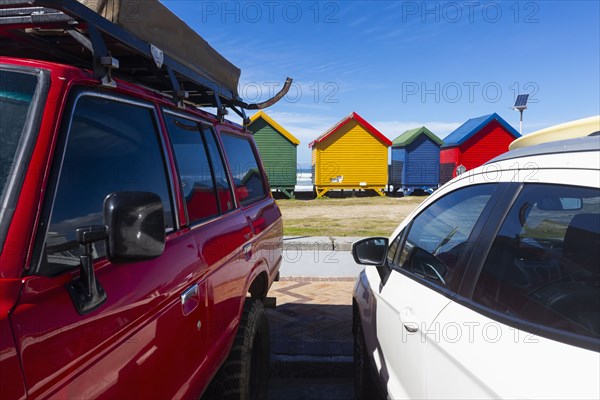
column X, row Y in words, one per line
column 373, row 251
column 370, row 251
column 134, row 229
column 135, row 223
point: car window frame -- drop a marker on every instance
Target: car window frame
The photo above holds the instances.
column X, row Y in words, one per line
column 259, row 163
column 393, row 265
column 58, row 160
column 475, row 266
column 30, row 133
column 202, row 124
column 463, row 262
column 223, row 159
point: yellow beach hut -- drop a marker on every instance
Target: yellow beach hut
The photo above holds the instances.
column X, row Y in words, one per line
column 350, row 155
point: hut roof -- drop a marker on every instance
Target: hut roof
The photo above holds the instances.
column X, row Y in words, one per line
column 474, row 125
column 278, row 128
column 409, row 136
column 353, row 116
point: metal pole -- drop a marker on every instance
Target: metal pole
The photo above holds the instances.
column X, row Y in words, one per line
column 521, row 122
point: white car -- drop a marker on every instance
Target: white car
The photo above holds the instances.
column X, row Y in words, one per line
column 491, row 287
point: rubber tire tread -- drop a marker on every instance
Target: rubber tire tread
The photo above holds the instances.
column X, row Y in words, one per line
column 235, row 372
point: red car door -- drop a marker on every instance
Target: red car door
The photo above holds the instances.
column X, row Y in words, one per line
column 260, row 209
column 218, row 226
column 145, row 340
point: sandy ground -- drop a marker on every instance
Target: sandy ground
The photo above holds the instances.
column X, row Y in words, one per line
column 365, row 216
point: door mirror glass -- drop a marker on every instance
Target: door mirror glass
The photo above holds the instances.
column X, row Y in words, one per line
column 370, row 251
column 135, row 224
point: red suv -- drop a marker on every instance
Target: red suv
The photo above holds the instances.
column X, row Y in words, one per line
column 138, row 235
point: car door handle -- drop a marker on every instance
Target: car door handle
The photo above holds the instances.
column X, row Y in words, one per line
column 190, row 299
column 407, row 318
column 247, row 249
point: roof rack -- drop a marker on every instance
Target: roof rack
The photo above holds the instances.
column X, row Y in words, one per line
column 63, row 27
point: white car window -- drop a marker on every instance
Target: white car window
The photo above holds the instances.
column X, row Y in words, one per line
column 544, row 265
column 438, row 236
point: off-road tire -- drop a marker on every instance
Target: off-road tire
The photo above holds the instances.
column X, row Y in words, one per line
column 245, row 374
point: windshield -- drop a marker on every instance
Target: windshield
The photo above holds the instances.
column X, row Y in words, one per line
column 18, row 96
column 16, row 93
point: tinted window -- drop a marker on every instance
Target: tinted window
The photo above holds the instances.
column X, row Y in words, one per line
column 544, row 265
column 393, row 250
column 247, row 177
column 16, row 95
column 112, row 147
column 194, row 168
column 438, row 236
column 219, row 171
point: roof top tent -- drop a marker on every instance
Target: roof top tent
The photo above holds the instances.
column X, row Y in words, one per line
column 416, row 161
column 473, row 144
column 278, row 150
column 350, row 155
column 147, row 45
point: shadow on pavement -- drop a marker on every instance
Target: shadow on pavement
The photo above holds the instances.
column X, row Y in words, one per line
column 311, row 352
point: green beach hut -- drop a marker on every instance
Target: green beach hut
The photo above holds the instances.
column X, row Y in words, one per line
column 278, row 150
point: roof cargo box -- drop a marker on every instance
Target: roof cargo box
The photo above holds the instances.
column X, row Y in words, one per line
column 152, row 22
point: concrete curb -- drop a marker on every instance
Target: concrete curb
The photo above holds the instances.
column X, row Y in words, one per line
column 319, row 243
column 310, row 279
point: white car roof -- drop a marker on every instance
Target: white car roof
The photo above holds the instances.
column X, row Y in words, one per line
column 569, row 146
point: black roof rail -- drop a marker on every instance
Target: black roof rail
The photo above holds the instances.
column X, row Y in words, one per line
column 68, row 25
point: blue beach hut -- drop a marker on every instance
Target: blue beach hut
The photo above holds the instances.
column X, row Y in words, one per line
column 416, row 161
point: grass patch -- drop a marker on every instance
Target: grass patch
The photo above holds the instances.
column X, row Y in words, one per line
column 364, row 216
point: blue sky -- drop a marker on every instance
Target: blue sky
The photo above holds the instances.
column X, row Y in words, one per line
column 403, row 64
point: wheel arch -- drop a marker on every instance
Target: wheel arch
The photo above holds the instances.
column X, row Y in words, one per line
column 259, row 285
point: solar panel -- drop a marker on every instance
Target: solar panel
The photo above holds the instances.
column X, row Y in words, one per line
column 521, row 100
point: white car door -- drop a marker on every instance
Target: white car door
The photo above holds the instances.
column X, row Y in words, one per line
column 425, row 270
column 529, row 324
column 400, row 330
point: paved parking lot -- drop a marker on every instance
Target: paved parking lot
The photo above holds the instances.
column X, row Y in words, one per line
column 311, row 339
